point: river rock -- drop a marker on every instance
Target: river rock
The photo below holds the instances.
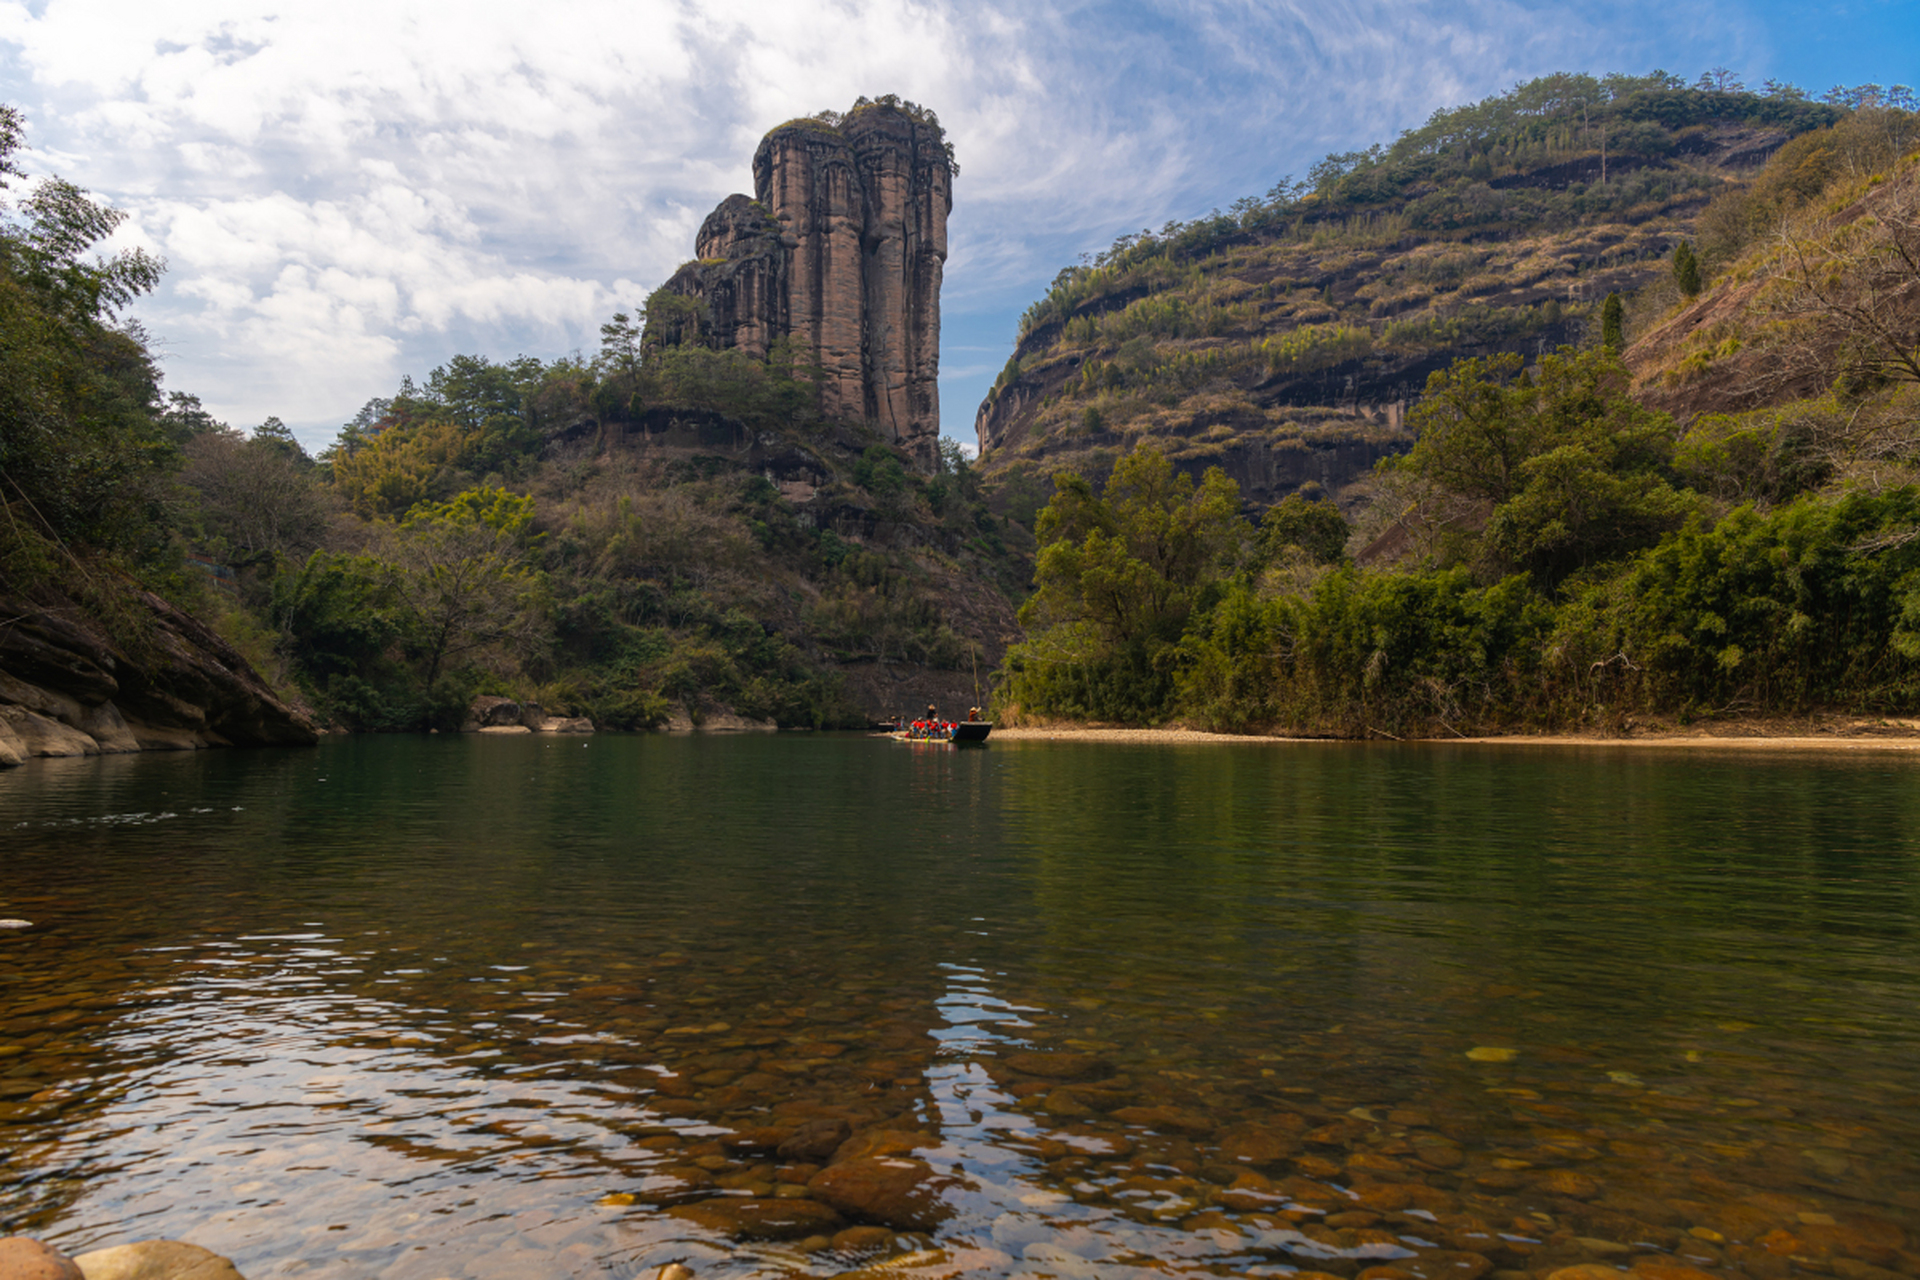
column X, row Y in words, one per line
column 490, row 710
column 862, row 1240
column 504, row 729
column 1383, row 1197
column 1165, row 1119
column 763, row 1139
column 1586, row 1271
column 1654, row 1267
column 883, row 1142
column 24, row 1258
column 1250, row 1193
column 760, row 1219
column 895, row 1192
column 1257, row 1145
column 1567, row 1182
column 566, row 724
column 1317, row 1167
column 815, row 1141
column 156, row 1260
column 1057, row 1066
column 727, row 722
column 1873, row 1239
column 108, row 729
column 167, row 738
column 1451, row 1264
column 36, row 735
column 932, row 1264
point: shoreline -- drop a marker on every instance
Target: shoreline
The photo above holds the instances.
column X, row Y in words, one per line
column 1906, row 740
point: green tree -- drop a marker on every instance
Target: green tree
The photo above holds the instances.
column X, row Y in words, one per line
column 256, row 498
column 276, row 435
column 460, row 573
column 82, row 444
column 1686, row 269
column 1613, row 324
column 1314, row 525
column 1118, row 576
column 1546, row 470
column 620, row 345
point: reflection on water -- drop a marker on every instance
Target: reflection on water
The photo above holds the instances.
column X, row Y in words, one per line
column 449, row 1007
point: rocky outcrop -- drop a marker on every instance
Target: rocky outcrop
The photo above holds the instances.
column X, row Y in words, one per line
column 491, row 713
column 66, row 689
column 841, row 250
column 23, row 1258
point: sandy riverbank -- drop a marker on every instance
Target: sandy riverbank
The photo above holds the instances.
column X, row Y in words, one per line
column 1896, row 737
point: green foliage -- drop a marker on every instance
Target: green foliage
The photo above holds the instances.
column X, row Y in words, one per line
column 730, row 382
column 1815, row 603
column 254, row 500
column 912, row 110
column 1686, row 270
column 621, row 344
column 879, row 471
column 491, row 508
column 1314, row 525
column 1763, row 457
column 83, row 439
column 341, row 622
column 671, row 319
column 485, row 527
column 1569, row 576
column 1613, row 321
column 1117, row 576
column 1548, row 470
column 1870, row 140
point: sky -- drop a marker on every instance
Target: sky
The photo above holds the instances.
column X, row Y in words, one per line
column 351, row 192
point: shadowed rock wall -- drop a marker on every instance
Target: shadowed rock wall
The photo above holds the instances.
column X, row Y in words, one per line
column 66, row 689
column 842, row 249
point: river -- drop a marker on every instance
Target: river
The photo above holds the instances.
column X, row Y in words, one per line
column 425, row 1007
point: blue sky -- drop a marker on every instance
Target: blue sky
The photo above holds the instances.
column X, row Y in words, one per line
column 352, row 192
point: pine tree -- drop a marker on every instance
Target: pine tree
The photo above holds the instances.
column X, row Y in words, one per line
column 1686, row 269
column 1613, row 319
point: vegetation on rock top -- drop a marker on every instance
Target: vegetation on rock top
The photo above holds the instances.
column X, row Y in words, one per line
column 1284, row 338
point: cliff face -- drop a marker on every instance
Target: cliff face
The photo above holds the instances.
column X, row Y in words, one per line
column 1288, row 346
column 68, row 690
column 842, row 250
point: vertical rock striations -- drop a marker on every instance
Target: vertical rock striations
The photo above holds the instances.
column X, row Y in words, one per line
column 841, row 251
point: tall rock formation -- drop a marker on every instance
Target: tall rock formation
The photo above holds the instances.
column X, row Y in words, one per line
column 841, row 250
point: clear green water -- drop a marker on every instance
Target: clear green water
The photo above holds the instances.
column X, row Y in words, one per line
column 439, row 1007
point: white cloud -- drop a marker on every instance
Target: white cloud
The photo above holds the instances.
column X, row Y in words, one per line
column 352, row 191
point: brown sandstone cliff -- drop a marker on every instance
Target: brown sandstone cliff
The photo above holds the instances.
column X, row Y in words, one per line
column 841, row 250
column 66, row 689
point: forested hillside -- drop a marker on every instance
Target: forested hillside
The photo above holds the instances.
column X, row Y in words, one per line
column 661, row 532
column 634, row 538
column 1720, row 521
column 1591, row 402
column 1285, row 339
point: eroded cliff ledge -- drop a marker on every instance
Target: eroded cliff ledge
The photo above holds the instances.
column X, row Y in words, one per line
column 840, row 250
column 67, row 689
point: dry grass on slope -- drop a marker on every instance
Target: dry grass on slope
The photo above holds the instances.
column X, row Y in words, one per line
column 1829, row 300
